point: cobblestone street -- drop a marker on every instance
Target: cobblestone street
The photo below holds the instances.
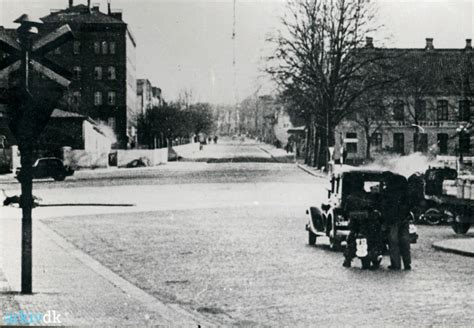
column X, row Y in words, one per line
column 226, row 241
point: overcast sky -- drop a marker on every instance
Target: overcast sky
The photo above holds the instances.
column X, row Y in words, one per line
column 187, row 44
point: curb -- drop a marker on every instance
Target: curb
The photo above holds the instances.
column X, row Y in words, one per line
column 266, row 151
column 309, row 171
column 453, row 250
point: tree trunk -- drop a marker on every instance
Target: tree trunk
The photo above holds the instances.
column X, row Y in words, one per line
column 368, row 144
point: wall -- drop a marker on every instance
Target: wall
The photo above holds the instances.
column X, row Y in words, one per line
column 95, row 141
column 79, row 158
column 185, row 151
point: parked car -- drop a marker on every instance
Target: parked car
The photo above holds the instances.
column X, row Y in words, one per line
column 332, row 218
column 49, row 167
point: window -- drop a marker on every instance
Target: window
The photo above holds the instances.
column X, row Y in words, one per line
column 98, row 73
column 443, row 143
column 111, row 73
column 98, row 98
column 111, row 98
column 442, row 110
column 77, row 72
column 351, row 135
column 112, row 48
column 97, row 47
column 351, row 147
column 377, row 139
column 420, row 142
column 399, row 143
column 76, row 47
column 420, row 110
column 76, row 97
column 464, row 143
column 104, row 47
column 464, row 110
column 399, row 111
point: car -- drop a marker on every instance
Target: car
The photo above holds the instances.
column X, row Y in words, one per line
column 49, row 167
column 331, row 219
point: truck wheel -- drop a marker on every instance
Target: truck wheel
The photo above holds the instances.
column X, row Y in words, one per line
column 461, row 228
column 311, row 238
column 433, row 216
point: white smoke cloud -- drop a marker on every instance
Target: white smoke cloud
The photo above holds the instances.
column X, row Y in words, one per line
column 404, row 165
column 108, row 131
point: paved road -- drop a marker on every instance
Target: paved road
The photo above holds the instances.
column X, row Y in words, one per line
column 226, row 238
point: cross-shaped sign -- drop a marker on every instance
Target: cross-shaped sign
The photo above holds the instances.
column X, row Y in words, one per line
column 30, row 107
column 36, row 56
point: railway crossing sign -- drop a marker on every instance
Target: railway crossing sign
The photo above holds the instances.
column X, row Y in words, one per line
column 30, row 105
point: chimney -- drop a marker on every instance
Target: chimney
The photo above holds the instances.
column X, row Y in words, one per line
column 108, row 8
column 89, row 4
column 369, row 42
column 71, row 3
column 429, row 44
column 468, row 43
column 95, row 6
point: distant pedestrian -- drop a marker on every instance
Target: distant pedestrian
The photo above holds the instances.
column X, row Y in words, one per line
column 215, row 139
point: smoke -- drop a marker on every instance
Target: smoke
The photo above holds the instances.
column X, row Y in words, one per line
column 108, row 131
column 404, row 165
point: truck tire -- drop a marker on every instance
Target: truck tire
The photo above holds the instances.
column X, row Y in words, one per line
column 311, row 238
column 433, row 216
column 461, row 228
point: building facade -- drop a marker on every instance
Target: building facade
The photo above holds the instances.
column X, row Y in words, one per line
column 430, row 112
column 102, row 60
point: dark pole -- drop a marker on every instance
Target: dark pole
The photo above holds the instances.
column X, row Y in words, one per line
column 26, row 176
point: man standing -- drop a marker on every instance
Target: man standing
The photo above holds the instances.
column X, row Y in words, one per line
column 395, row 211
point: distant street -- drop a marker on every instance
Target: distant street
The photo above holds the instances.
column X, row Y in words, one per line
column 222, row 233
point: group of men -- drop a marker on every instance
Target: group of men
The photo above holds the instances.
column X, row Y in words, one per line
column 380, row 215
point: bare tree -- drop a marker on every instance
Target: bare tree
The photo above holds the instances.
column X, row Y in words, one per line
column 316, row 61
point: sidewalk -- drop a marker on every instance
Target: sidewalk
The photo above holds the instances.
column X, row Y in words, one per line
column 77, row 287
column 461, row 246
column 280, row 155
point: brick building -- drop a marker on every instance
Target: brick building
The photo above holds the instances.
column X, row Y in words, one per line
column 102, row 60
column 430, row 111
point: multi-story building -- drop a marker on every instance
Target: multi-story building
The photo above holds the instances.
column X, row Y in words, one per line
column 148, row 96
column 102, row 60
column 431, row 111
column 144, row 95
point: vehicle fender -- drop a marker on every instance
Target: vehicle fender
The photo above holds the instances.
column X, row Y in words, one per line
column 316, row 219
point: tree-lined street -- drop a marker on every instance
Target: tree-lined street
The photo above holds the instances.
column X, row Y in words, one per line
column 225, row 239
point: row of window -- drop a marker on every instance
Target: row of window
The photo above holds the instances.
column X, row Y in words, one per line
column 98, row 73
column 100, row 47
column 420, row 142
column 442, row 111
column 98, row 98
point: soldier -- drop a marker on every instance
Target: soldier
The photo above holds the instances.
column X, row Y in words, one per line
column 395, row 210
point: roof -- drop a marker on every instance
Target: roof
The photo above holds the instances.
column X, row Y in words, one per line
column 58, row 113
column 431, row 70
column 81, row 14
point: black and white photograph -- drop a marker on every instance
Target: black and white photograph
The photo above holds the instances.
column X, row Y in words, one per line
column 248, row 163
